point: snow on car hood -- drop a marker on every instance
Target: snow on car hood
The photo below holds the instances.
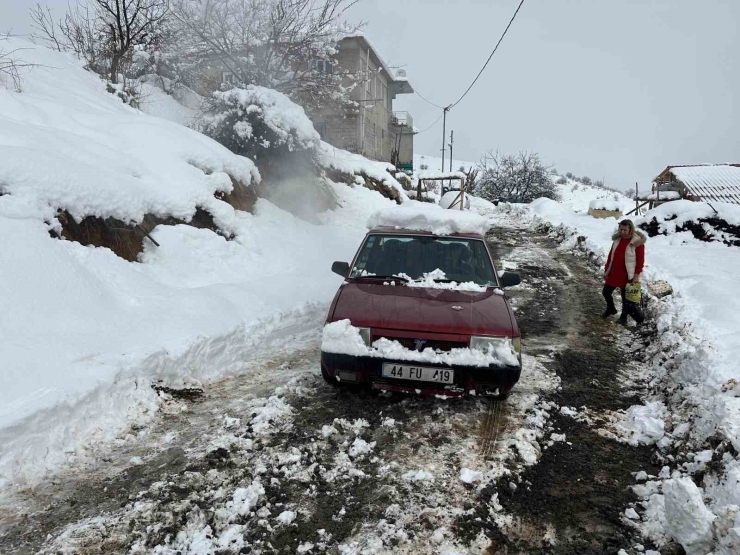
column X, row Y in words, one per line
column 434, row 310
column 343, row 338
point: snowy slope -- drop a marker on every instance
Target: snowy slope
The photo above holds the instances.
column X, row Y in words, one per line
column 82, row 331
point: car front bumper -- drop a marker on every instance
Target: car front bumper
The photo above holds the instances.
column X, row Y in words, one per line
column 489, row 380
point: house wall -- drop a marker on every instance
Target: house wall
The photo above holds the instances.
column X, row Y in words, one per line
column 368, row 132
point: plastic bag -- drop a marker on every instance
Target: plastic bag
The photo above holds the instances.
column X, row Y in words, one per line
column 633, row 293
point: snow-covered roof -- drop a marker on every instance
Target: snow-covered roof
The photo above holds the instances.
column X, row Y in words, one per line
column 719, row 182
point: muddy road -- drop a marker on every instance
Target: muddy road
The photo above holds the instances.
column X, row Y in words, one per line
column 277, row 461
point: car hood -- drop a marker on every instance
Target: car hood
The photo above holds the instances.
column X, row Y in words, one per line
column 421, row 309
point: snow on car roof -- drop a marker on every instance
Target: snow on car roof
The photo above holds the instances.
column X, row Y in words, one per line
column 422, row 216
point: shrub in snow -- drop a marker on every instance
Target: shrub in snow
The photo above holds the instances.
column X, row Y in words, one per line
column 586, row 180
column 515, row 178
column 265, row 126
column 257, row 122
column 561, row 180
column 569, row 175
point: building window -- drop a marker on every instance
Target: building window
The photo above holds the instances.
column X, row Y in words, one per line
column 382, row 142
column 324, row 67
column 227, row 78
column 320, row 127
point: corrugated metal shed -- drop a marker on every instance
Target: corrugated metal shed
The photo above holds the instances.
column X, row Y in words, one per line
column 717, row 182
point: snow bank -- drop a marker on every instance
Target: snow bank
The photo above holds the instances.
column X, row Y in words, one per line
column 688, row 521
column 356, row 165
column 644, row 425
column 83, row 332
column 59, row 134
column 342, row 337
column 677, row 213
column 422, row 216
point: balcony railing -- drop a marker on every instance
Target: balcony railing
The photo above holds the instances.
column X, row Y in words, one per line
column 402, row 119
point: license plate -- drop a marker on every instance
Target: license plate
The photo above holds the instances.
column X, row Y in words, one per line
column 418, row 373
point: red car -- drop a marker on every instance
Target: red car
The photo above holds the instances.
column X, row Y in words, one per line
column 422, row 313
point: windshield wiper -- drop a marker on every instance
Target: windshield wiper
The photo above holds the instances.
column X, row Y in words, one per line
column 368, row 276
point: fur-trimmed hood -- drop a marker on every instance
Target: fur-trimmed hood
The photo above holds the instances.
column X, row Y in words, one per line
column 639, row 237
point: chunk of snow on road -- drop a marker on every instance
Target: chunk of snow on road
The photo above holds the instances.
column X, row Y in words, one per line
column 388, row 422
column 631, row 514
column 423, row 216
column 136, row 461
column 286, row 517
column 342, row 337
column 643, row 425
column 268, row 412
column 360, row 448
column 469, row 476
column 568, row 411
column 418, row 476
column 245, row 499
column 688, row 521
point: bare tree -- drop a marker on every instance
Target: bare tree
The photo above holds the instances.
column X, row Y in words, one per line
column 10, row 66
column 286, row 45
column 102, row 32
column 520, row 177
column 125, row 24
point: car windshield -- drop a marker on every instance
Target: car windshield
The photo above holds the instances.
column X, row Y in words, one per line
column 461, row 260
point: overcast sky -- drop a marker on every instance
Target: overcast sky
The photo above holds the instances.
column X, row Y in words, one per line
column 614, row 89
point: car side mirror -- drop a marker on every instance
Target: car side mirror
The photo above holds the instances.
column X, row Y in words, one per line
column 510, row 279
column 340, row 268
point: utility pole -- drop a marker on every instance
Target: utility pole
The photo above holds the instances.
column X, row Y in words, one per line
column 452, row 134
column 444, row 132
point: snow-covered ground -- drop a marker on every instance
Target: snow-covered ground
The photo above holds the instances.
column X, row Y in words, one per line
column 82, row 331
column 693, row 415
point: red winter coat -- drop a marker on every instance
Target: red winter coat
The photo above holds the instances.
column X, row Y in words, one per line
column 616, row 270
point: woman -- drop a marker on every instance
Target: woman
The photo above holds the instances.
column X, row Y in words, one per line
column 624, row 265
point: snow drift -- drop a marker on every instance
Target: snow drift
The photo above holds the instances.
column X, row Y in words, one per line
column 84, row 332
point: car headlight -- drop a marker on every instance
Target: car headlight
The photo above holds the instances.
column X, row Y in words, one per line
column 483, row 343
column 365, row 334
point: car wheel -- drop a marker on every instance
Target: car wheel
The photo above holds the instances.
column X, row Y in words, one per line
column 327, row 378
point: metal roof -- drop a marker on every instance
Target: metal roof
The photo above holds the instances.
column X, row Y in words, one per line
column 718, row 182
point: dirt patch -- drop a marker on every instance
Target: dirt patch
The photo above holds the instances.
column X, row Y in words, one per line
column 125, row 240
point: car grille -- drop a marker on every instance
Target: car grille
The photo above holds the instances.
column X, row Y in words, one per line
column 435, row 344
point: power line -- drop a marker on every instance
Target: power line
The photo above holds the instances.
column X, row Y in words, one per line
column 428, row 128
column 417, row 93
column 489, row 57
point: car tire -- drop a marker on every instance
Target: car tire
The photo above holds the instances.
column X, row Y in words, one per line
column 327, row 378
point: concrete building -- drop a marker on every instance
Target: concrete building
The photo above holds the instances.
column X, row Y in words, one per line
column 373, row 130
